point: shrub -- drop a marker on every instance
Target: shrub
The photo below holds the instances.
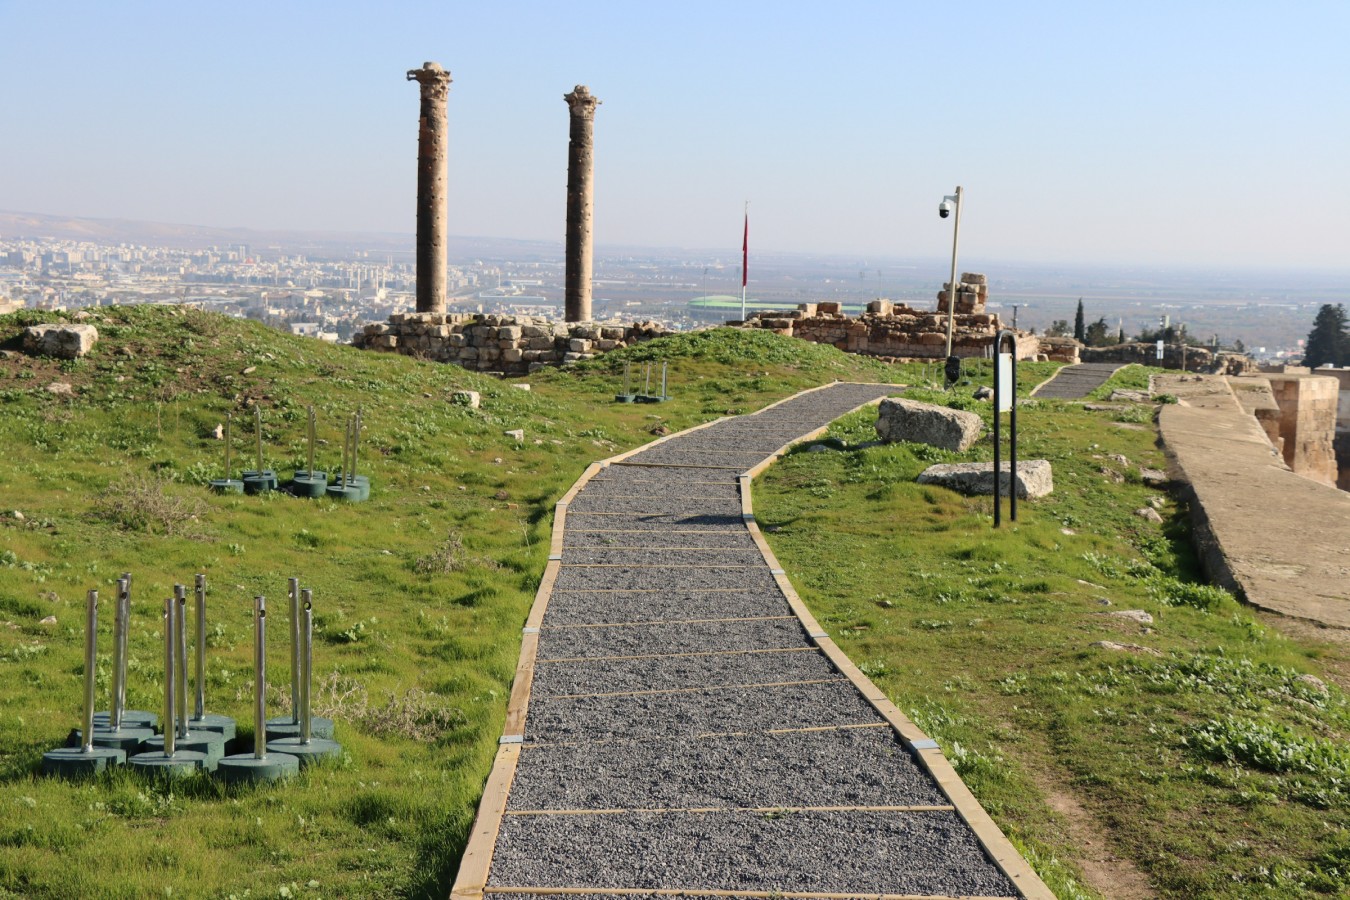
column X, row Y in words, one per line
column 143, row 503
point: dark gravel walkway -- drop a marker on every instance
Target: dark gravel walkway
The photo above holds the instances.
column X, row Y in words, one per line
column 1076, row 382
column 683, row 730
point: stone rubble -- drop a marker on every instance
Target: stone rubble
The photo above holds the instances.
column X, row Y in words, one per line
column 926, row 423
column 60, row 341
column 1034, row 477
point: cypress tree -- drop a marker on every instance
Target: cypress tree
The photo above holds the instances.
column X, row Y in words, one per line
column 1328, row 342
column 1079, row 328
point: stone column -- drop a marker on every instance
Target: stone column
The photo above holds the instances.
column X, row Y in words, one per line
column 432, row 175
column 580, row 200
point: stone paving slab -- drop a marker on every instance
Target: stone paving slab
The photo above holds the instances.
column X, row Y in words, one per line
column 1076, row 382
column 642, row 489
column 667, row 637
column 693, row 713
column 699, row 458
column 632, row 471
column 574, row 539
column 689, row 578
column 609, row 676
column 627, row 556
column 583, row 608
column 844, row 767
column 866, row 852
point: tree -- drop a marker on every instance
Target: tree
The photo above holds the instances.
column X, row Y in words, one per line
column 1058, row 328
column 1120, row 335
column 1079, row 331
column 1098, row 334
column 1328, row 342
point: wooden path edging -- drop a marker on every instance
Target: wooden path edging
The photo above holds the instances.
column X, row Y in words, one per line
column 471, row 881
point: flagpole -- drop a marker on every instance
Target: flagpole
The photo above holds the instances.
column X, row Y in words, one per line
column 745, row 257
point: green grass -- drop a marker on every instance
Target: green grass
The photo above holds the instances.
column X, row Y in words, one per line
column 1217, row 768
column 420, row 593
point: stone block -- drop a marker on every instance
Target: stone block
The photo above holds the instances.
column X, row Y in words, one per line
column 611, row 333
column 808, row 310
column 512, row 355
column 974, row 278
column 509, row 333
column 471, row 399
column 829, row 308
column 467, row 354
column 60, row 341
column 578, row 345
column 881, row 307
column 385, row 342
column 924, row 423
column 1034, row 477
column 489, row 353
column 542, row 342
column 457, row 340
column 606, row 344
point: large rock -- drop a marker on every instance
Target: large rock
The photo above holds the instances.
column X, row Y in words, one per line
column 924, row 423
column 1034, row 477
column 63, row 341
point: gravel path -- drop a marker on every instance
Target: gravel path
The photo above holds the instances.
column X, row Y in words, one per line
column 683, row 730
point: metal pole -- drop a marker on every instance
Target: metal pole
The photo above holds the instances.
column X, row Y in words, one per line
column 90, row 664
column 199, row 706
column 951, row 285
column 626, row 380
column 227, row 446
column 998, row 469
column 257, row 410
column 647, row 383
column 260, row 678
column 308, row 667
column 119, row 673
column 310, row 471
column 180, row 595
column 293, row 593
column 356, row 443
column 663, row 379
column 169, row 628
column 1012, row 435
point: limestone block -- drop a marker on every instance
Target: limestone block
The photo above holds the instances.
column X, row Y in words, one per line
column 468, row 354
column 1034, row 477
column 512, row 355
column 536, row 331
column 924, row 423
column 829, row 308
column 611, row 333
column 529, row 356
column 606, row 344
column 509, row 333
column 536, row 366
column 457, row 340
column 578, row 345
column 881, row 307
column 471, row 399
column 489, row 353
column 570, row 358
column 441, row 332
column 385, row 342
column 61, row 341
column 397, row 318
column 542, row 342
column 377, row 328
column 974, row 278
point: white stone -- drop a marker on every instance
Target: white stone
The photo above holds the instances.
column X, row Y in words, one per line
column 471, row 399
column 1149, row 514
column 1136, row 615
column 62, row 341
column 517, row 433
column 1034, row 477
column 924, row 423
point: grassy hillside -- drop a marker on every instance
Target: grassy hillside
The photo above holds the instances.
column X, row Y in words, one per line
column 1211, row 763
column 419, row 593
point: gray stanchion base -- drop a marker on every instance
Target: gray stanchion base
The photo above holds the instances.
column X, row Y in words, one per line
column 624, row 398
column 351, row 494
column 227, row 485
column 157, row 765
column 221, row 725
column 269, row 475
column 309, row 484
column 128, row 740
column 74, row 762
column 282, row 727
column 131, row 718
column 245, row 768
column 360, row 482
column 258, row 484
column 211, row 746
column 317, row 749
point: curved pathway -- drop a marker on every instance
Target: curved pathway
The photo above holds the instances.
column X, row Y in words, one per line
column 680, row 723
column 1077, row 381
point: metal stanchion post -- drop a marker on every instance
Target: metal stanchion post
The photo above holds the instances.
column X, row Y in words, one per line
column 306, row 744
column 260, row 678
column 90, row 666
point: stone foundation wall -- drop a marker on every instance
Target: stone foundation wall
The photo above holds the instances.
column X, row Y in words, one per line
column 1197, row 359
column 509, row 345
column 890, row 330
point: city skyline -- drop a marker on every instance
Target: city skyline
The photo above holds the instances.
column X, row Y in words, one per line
column 1153, row 136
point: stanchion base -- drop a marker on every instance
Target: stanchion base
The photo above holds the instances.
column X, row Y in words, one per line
column 245, row 768
column 625, row 398
column 227, row 486
column 309, row 484
column 128, row 740
column 283, row 727
column 157, row 765
column 259, row 484
column 74, row 762
column 317, row 749
column 351, row 494
column 211, row 746
column 214, row 724
column 131, row 718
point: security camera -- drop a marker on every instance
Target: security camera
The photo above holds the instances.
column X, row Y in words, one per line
column 945, row 208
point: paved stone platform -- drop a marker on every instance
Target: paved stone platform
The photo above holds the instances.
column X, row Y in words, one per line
column 1075, row 382
column 1279, row 540
column 680, row 723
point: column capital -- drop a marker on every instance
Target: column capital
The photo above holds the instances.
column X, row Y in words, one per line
column 582, row 102
column 434, row 79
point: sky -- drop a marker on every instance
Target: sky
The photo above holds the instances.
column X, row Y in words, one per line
column 1208, row 134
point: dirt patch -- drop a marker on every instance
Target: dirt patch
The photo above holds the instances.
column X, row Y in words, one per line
column 1103, row 869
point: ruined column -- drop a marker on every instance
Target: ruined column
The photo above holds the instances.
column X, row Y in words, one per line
column 580, row 200
column 432, row 176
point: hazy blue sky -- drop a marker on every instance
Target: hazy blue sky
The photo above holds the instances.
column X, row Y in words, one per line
column 1150, row 132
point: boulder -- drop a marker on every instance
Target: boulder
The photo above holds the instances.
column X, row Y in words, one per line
column 924, row 423
column 471, row 399
column 61, row 341
column 1034, row 477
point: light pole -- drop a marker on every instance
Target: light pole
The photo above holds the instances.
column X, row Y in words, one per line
column 950, row 202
